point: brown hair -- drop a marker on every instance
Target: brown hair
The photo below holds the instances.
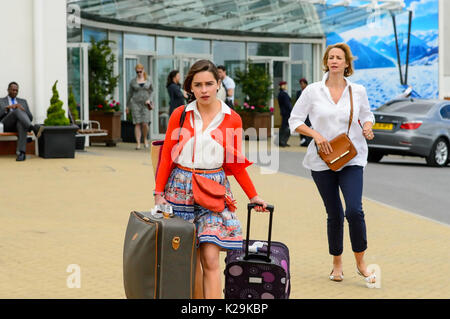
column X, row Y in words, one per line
column 140, row 66
column 348, row 57
column 199, row 66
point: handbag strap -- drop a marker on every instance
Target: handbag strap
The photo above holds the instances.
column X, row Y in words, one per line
column 351, row 109
column 181, row 123
column 195, row 142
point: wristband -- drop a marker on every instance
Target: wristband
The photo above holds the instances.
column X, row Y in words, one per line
column 157, row 193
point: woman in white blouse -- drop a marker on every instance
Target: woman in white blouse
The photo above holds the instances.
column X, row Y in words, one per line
column 328, row 105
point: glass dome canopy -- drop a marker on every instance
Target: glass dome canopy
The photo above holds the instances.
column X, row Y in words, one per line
column 275, row 18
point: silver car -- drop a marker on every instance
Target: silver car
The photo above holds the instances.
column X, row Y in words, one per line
column 414, row 127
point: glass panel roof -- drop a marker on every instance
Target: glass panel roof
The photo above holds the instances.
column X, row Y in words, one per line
column 283, row 18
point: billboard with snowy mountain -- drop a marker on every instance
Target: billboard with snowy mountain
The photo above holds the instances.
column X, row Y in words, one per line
column 374, row 46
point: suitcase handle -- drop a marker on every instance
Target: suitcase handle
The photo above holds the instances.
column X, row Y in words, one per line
column 247, row 256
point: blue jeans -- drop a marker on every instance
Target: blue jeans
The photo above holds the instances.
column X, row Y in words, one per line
column 350, row 181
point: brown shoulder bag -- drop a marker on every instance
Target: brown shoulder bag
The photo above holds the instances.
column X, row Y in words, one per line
column 343, row 148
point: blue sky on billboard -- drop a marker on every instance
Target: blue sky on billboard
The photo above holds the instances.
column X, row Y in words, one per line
column 425, row 15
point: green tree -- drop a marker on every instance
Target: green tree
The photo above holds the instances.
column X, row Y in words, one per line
column 73, row 105
column 102, row 81
column 255, row 84
column 55, row 113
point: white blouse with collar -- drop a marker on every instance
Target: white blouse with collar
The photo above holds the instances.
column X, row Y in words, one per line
column 209, row 154
column 331, row 119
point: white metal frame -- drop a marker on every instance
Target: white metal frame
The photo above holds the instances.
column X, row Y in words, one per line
column 84, row 89
column 125, row 84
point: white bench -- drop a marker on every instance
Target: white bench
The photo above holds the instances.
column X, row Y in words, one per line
column 10, row 148
column 90, row 131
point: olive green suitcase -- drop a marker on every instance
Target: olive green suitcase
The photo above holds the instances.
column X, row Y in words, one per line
column 159, row 257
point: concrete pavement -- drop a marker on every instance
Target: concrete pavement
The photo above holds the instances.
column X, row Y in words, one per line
column 60, row 218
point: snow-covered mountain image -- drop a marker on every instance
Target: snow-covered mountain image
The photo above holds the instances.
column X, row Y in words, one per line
column 383, row 84
column 368, row 57
column 376, row 65
column 375, row 52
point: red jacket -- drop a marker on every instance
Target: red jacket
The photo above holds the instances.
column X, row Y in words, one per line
column 228, row 134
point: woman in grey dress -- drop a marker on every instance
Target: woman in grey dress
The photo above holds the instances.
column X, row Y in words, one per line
column 138, row 101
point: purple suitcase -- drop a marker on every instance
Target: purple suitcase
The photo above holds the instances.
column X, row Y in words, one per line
column 260, row 270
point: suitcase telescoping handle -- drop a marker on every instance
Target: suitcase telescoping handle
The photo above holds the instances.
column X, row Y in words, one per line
column 269, row 239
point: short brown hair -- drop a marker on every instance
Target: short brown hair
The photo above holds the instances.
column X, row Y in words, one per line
column 199, row 66
column 348, row 57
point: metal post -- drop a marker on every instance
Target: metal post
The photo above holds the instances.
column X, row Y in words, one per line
column 407, row 50
column 398, row 51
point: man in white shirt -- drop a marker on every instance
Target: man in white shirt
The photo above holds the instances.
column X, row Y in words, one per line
column 228, row 84
column 221, row 94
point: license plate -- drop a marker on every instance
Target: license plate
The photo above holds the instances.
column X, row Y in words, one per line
column 383, row 126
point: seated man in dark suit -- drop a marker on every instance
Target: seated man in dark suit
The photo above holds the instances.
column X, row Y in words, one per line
column 16, row 117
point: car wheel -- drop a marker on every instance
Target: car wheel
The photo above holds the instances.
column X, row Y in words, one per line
column 374, row 157
column 439, row 153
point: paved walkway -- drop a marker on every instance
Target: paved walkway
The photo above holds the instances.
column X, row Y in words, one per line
column 58, row 216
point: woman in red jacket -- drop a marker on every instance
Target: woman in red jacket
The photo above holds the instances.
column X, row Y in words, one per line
column 214, row 131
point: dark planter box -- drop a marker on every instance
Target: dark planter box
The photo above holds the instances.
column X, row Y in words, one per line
column 57, row 142
column 256, row 121
column 79, row 142
column 127, row 133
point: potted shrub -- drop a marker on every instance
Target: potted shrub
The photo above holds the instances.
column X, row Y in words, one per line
column 57, row 139
column 102, row 84
column 256, row 85
column 79, row 139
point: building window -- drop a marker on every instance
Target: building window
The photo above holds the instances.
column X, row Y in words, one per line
column 117, row 48
column 73, row 35
column 268, row 49
column 232, row 56
column 97, row 35
column 139, row 42
column 301, row 51
column 301, row 65
column 163, row 68
column 191, row 46
column 164, row 45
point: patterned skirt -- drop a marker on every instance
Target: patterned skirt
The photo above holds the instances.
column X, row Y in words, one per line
column 222, row 229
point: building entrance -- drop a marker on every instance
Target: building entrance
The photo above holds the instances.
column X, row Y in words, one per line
column 282, row 69
column 276, row 68
column 162, row 66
